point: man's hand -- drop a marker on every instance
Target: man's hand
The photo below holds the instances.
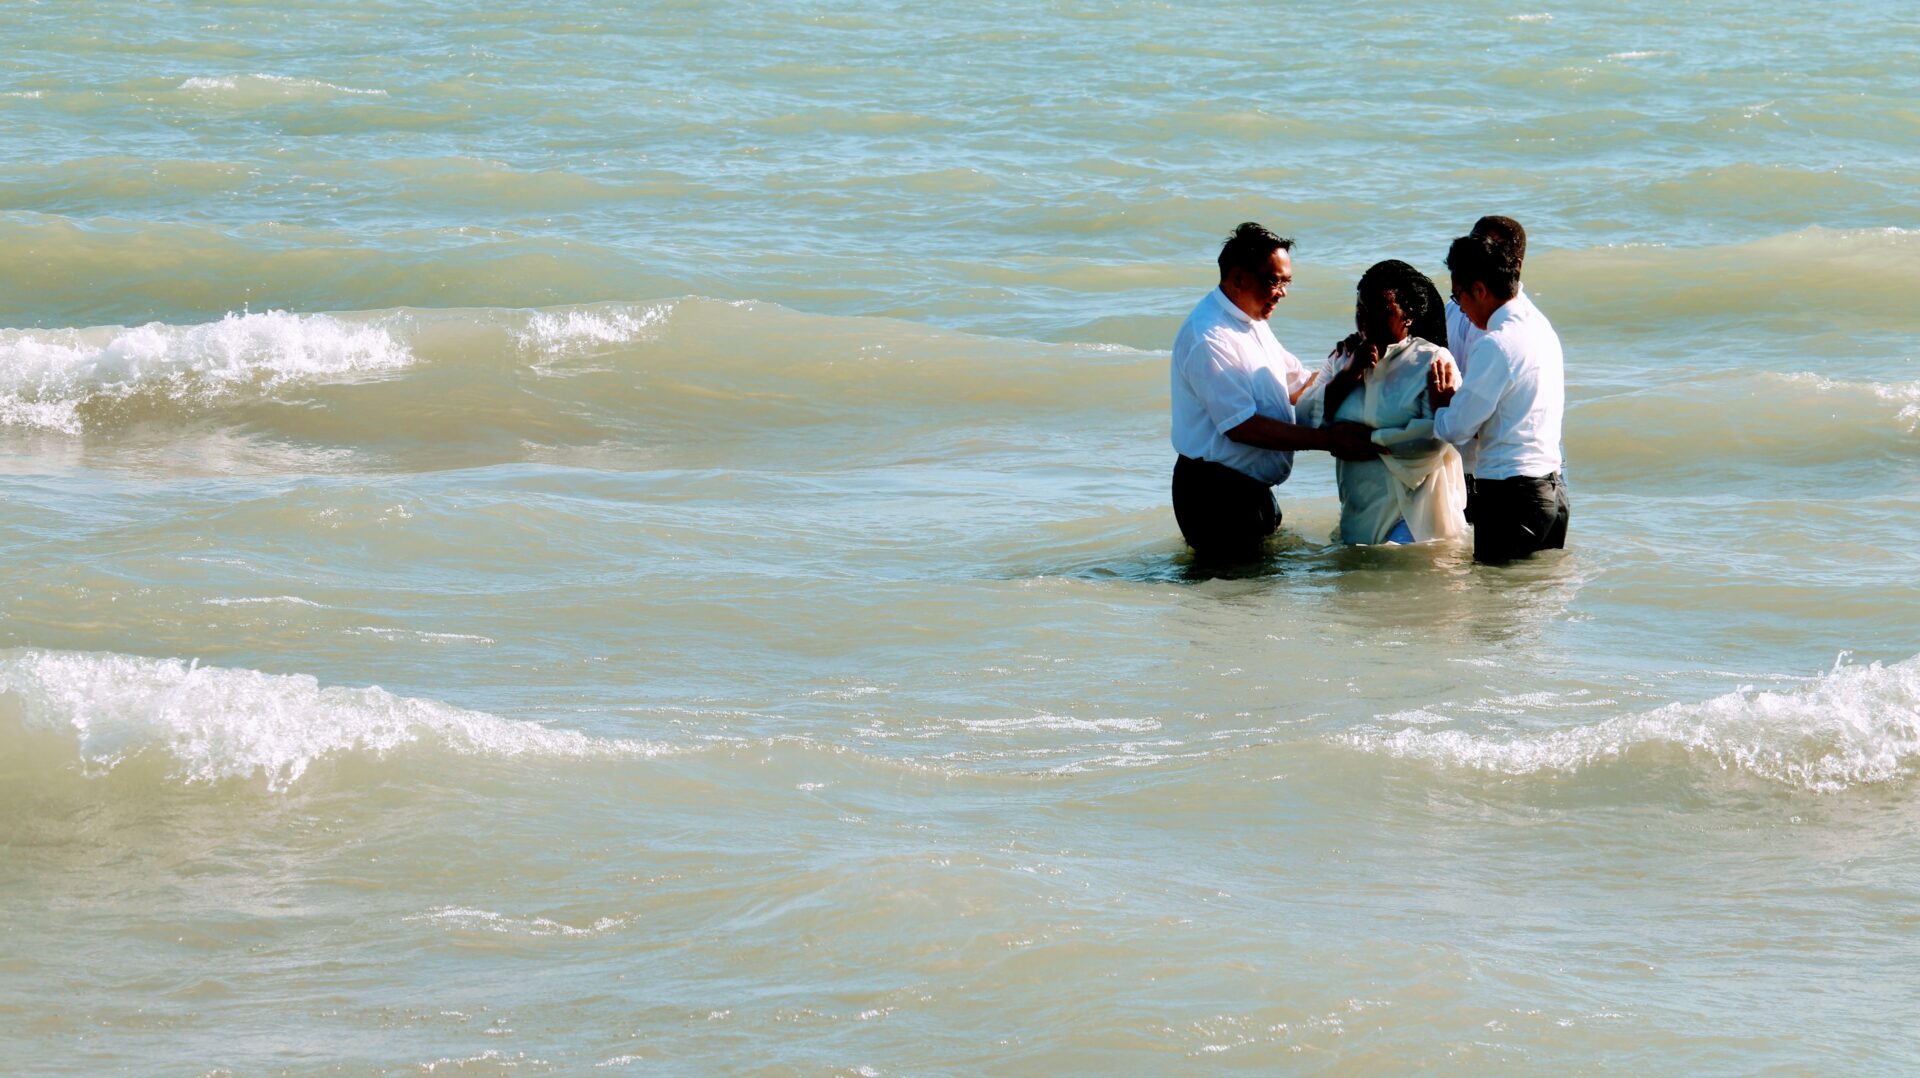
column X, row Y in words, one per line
column 1443, row 380
column 1351, row 441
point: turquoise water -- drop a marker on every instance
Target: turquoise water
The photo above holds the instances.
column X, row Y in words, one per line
column 546, row 539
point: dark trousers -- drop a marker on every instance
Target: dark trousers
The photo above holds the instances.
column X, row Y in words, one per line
column 1512, row 518
column 1223, row 514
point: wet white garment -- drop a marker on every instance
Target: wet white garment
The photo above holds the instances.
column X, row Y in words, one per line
column 1419, row 480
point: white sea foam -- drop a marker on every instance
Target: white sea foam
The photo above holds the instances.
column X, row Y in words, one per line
column 469, row 919
column 1538, row 16
column 283, row 83
column 493, row 1060
column 1853, row 726
column 1906, row 395
column 416, row 634
column 252, row 600
column 1063, row 722
column 219, row 723
column 556, row 334
column 46, row 375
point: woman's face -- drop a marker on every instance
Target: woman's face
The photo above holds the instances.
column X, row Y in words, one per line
column 1381, row 318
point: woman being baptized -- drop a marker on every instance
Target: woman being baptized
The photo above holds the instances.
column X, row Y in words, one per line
column 1415, row 490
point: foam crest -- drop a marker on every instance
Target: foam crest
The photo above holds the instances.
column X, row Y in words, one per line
column 1904, row 395
column 468, row 919
column 1063, row 722
column 219, row 723
column 1854, row 726
column 573, row 331
column 272, row 85
column 48, row 376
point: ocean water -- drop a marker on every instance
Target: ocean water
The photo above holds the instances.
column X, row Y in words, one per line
column 567, row 537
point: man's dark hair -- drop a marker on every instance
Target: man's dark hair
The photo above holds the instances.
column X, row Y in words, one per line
column 1488, row 259
column 1249, row 248
column 1419, row 299
column 1505, row 228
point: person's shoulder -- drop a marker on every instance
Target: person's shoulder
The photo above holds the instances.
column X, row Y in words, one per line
column 1217, row 328
column 1529, row 321
column 1527, row 310
column 1207, row 331
column 1497, row 345
column 1522, row 337
column 1205, row 315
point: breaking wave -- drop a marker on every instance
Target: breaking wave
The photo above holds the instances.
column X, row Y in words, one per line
column 50, row 379
column 1855, row 726
column 212, row 724
column 448, row 379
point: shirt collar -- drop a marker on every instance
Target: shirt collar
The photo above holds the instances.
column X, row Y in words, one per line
column 1226, row 302
column 1505, row 313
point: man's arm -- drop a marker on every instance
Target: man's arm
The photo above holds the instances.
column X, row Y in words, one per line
column 1223, row 391
column 1348, row 441
column 1461, row 408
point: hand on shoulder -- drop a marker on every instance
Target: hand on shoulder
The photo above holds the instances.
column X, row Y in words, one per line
column 1443, row 380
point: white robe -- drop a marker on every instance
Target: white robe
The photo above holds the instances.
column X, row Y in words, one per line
column 1420, row 479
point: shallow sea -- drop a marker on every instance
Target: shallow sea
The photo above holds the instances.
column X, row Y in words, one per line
column 548, row 538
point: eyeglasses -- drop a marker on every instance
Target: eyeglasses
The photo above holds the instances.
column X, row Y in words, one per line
column 1271, row 281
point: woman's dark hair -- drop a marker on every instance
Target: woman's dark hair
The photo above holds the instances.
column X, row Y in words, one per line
column 1249, row 248
column 1417, row 295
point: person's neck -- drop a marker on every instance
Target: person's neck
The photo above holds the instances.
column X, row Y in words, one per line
column 1241, row 302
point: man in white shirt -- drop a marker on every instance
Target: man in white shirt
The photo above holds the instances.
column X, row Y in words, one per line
column 1511, row 396
column 1462, row 334
column 1233, row 388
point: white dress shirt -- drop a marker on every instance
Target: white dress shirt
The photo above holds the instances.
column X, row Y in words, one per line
column 1462, row 335
column 1227, row 368
column 1512, row 395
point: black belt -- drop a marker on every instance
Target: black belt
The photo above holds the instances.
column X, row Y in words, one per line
column 1213, row 465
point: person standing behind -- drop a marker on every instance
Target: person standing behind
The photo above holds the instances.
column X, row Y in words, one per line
column 1233, row 388
column 1512, row 397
